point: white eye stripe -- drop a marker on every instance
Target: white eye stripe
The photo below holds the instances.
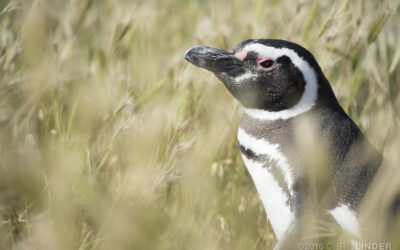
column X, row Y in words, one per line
column 309, row 97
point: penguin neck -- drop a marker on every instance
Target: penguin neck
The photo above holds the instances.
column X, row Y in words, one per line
column 326, row 97
column 253, row 124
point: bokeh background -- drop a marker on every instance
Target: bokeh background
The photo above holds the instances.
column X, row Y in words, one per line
column 110, row 140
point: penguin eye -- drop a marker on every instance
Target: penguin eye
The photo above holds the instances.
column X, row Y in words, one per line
column 267, row 64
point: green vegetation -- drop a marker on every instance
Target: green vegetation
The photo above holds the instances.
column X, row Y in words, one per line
column 110, row 140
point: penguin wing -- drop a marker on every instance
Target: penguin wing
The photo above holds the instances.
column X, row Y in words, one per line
column 355, row 160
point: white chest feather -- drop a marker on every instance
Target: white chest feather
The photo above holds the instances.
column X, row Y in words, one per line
column 263, row 147
column 272, row 195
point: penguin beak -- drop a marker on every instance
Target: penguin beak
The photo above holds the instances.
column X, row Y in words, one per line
column 212, row 59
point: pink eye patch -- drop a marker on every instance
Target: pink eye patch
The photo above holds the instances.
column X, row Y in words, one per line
column 241, row 54
column 266, row 63
column 263, row 59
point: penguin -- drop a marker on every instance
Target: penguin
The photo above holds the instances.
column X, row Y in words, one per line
column 283, row 91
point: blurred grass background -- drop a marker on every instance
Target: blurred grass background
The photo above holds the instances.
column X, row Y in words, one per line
column 110, row 140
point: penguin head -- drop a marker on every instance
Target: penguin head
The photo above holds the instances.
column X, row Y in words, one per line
column 264, row 74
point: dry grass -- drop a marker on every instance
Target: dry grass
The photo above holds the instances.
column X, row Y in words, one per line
column 110, row 140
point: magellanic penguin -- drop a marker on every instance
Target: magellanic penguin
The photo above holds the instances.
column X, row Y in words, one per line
column 280, row 86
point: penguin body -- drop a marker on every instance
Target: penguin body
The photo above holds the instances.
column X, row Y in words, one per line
column 281, row 86
column 268, row 149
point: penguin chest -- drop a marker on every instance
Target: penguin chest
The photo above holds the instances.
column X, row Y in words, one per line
column 272, row 177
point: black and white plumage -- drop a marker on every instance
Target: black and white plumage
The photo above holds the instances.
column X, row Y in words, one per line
column 280, row 85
